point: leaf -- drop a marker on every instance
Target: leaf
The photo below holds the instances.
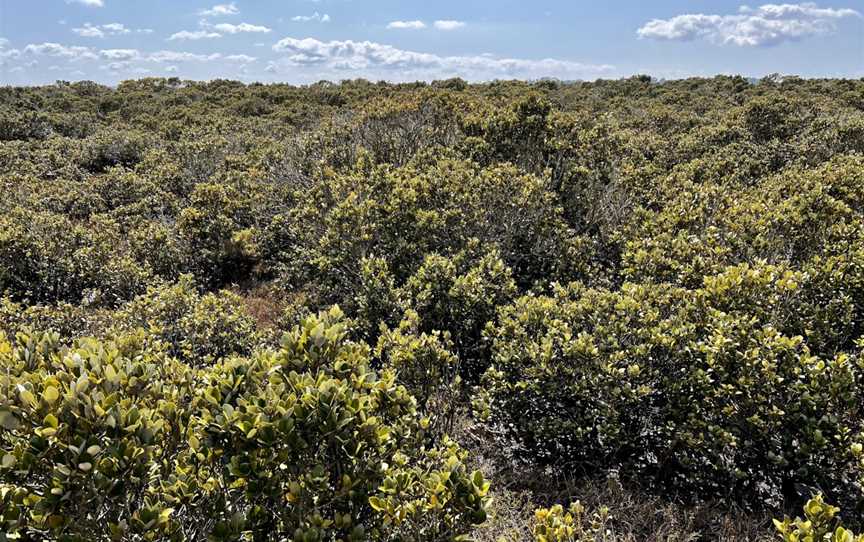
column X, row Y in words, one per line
column 27, row 396
column 8, row 461
column 377, row 504
column 50, row 394
column 51, row 421
column 8, row 420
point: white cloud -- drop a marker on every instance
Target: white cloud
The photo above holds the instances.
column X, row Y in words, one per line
column 126, row 59
column 120, row 54
column 172, row 69
column 180, row 56
column 88, row 31
column 88, row 3
column 227, row 28
column 317, row 17
column 122, row 65
column 220, row 10
column 407, row 25
column 117, row 28
column 6, row 54
column 245, row 59
column 448, row 25
column 72, row 52
column 111, row 29
column 194, row 35
column 769, row 24
column 374, row 59
column 210, row 31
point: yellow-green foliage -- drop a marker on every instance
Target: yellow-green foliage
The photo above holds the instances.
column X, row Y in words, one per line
column 676, row 387
column 820, row 523
column 557, row 524
column 116, row 440
column 660, row 280
column 196, row 328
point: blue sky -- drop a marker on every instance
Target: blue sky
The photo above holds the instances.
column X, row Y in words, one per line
column 302, row 41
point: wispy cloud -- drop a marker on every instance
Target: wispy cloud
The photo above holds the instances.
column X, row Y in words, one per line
column 227, row 28
column 211, row 31
column 7, row 54
column 419, row 25
column 88, row 3
column 448, row 25
column 125, row 59
column 71, row 52
column 220, row 10
column 120, row 54
column 769, row 24
column 315, row 17
column 194, row 35
column 111, row 29
column 379, row 59
column 407, row 25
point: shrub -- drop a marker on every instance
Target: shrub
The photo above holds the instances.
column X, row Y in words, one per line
column 460, row 295
column 86, row 435
column 199, row 329
column 820, row 522
column 556, row 524
column 665, row 385
column 19, row 125
column 221, row 249
column 309, row 443
column 116, row 440
column 113, row 148
column 424, row 364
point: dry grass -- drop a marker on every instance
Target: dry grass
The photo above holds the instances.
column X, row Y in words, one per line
column 263, row 303
column 636, row 516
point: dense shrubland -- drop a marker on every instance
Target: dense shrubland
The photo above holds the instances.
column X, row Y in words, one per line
column 249, row 312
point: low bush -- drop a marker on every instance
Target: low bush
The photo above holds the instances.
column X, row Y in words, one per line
column 556, row 524
column 821, row 522
column 198, row 329
column 117, row 440
column 667, row 386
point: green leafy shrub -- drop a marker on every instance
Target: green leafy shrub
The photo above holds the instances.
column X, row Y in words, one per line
column 67, row 320
column 117, row 440
column 212, row 226
column 86, row 434
column 196, row 328
column 424, row 364
column 556, row 524
column 310, row 443
column 820, row 523
column 113, row 148
column 48, row 257
column 667, row 386
column 460, row 295
column 15, row 125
